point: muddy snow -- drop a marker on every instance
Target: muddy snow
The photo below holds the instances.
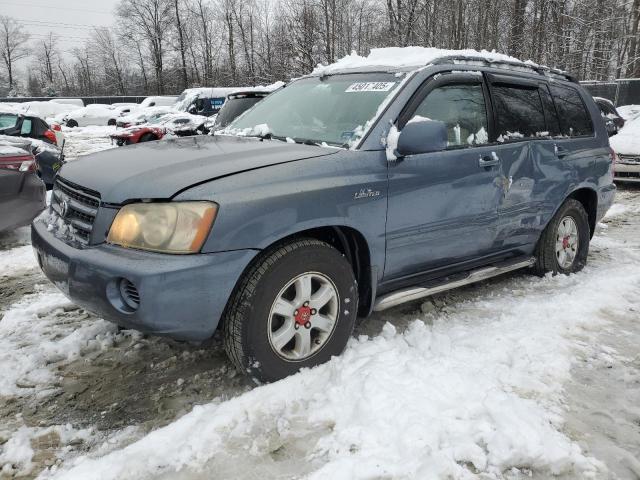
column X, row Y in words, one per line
column 517, row 377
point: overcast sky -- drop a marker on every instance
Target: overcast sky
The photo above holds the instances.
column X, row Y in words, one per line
column 71, row 20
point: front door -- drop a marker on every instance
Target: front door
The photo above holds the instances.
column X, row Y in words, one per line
column 443, row 205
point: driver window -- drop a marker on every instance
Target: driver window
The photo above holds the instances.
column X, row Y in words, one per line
column 26, row 127
column 462, row 108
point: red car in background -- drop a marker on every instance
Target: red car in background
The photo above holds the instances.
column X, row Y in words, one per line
column 182, row 125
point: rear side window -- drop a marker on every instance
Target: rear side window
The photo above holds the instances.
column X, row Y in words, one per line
column 26, row 127
column 553, row 123
column 575, row 120
column 462, row 108
column 519, row 112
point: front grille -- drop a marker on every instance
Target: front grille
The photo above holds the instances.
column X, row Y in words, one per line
column 76, row 207
column 627, row 175
column 629, row 159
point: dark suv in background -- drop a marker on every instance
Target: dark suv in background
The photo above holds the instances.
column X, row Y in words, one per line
column 349, row 190
column 612, row 119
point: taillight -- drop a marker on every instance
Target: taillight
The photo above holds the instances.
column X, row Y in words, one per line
column 51, row 136
column 23, row 163
column 614, row 158
column 56, row 127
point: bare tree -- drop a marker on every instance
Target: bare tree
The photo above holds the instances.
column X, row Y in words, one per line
column 152, row 21
column 13, row 45
column 107, row 49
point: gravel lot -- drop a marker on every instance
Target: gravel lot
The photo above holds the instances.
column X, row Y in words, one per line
column 517, row 377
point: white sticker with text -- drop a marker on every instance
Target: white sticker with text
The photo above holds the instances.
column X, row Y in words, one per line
column 370, row 87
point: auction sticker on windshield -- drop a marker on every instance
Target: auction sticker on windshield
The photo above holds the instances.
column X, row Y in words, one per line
column 370, row 87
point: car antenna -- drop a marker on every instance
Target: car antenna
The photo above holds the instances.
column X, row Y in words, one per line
column 64, row 142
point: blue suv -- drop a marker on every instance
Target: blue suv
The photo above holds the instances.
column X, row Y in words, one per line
column 347, row 191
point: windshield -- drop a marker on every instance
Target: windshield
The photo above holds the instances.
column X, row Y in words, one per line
column 8, row 120
column 334, row 110
column 234, row 107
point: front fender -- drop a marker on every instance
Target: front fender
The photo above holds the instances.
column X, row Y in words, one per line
column 260, row 207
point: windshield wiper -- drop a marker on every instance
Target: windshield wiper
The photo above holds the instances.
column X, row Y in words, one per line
column 306, row 141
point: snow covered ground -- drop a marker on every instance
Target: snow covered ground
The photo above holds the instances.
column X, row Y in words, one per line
column 518, row 377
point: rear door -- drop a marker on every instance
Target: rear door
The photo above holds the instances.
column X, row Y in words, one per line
column 520, row 122
column 443, row 205
column 571, row 154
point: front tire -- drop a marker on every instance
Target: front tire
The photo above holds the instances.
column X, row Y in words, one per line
column 72, row 123
column 296, row 307
column 564, row 244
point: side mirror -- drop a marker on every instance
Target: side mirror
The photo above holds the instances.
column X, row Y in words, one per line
column 422, row 136
column 192, row 109
column 611, row 127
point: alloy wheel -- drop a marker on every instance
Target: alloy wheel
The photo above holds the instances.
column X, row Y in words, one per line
column 303, row 316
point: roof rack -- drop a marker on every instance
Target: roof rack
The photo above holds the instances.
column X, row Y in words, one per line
column 507, row 64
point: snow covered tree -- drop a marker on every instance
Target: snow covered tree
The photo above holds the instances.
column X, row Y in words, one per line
column 13, row 45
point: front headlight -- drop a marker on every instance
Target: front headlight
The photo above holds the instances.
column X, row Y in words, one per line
column 176, row 227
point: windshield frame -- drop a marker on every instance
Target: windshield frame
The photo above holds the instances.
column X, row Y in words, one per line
column 403, row 79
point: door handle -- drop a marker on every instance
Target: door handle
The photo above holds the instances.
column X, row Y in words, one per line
column 560, row 152
column 489, row 160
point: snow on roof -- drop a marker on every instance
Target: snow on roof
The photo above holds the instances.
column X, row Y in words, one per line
column 261, row 88
column 405, row 58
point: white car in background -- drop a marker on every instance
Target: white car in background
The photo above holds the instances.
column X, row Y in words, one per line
column 96, row 114
column 626, row 144
column 160, row 101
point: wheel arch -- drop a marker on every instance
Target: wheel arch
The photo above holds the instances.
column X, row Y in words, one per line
column 348, row 241
column 589, row 199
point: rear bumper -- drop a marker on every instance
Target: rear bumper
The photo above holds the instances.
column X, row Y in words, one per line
column 606, row 197
column 181, row 296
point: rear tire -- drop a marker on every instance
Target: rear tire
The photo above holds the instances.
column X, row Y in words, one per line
column 564, row 244
column 148, row 137
column 111, row 122
column 296, row 307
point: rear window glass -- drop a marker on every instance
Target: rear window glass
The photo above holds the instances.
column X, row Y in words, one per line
column 574, row 118
column 519, row 112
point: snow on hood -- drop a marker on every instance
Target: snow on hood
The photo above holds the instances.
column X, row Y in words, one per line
column 627, row 141
column 143, row 114
column 394, row 58
column 629, row 112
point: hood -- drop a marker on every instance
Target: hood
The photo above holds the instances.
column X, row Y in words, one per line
column 162, row 169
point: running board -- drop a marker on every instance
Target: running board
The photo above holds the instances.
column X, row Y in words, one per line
column 402, row 296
